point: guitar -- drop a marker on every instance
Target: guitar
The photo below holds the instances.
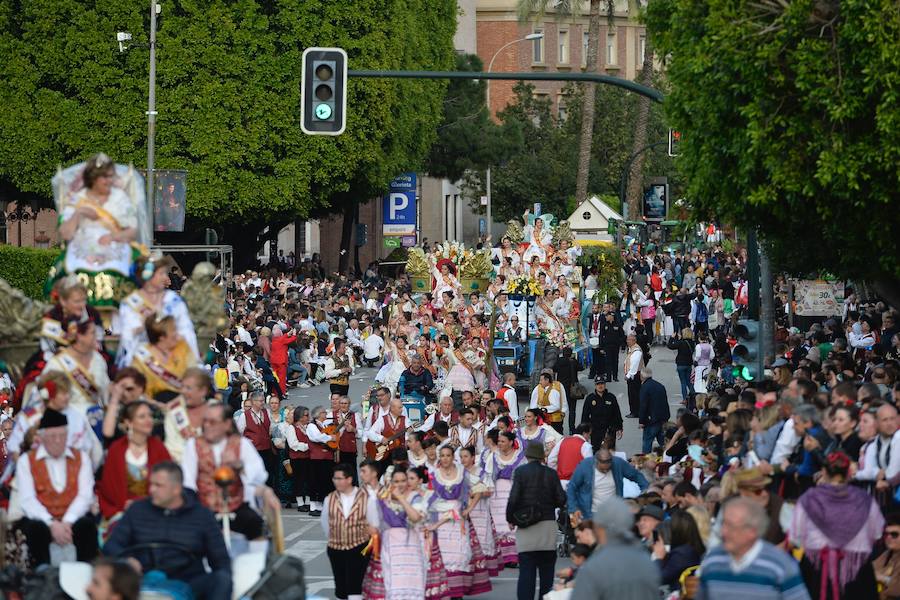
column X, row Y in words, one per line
column 389, row 443
column 335, row 430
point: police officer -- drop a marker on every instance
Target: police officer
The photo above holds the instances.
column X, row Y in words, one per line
column 611, row 339
column 601, row 410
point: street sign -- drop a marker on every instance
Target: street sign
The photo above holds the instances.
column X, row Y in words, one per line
column 392, row 242
column 399, row 206
column 484, row 200
column 408, row 241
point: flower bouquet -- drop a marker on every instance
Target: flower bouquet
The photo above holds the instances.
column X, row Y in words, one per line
column 525, row 286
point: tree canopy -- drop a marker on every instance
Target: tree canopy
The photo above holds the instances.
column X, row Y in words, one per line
column 228, row 95
column 790, row 115
column 543, row 166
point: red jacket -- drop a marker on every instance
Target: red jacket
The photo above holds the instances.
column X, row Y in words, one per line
column 112, row 489
column 278, row 355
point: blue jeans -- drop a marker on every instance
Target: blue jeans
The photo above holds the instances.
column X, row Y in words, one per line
column 684, row 375
column 652, row 432
column 531, row 564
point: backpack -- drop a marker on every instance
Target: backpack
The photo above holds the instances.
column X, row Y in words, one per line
column 702, row 312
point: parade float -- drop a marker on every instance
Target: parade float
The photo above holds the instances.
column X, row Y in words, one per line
column 471, row 268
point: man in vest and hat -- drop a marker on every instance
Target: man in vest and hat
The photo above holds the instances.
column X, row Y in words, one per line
column 339, row 367
column 549, row 399
column 56, row 491
column 391, row 425
column 567, row 454
column 205, row 454
column 255, row 424
column 351, row 429
column 348, row 531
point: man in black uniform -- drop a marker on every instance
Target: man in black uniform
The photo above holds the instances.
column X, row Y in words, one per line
column 601, row 410
column 611, row 338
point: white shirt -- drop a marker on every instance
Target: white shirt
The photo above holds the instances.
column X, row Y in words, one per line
column 785, row 444
column 553, row 398
column 889, row 447
column 341, row 416
column 373, row 346
column 512, row 401
column 633, row 366
column 428, row 425
column 253, row 473
column 240, row 420
column 56, row 469
column 290, row 436
column 586, row 452
column 79, row 434
column 465, row 435
column 354, row 337
column 747, row 559
column 315, row 434
column 604, row 488
column 332, row 372
column 374, row 434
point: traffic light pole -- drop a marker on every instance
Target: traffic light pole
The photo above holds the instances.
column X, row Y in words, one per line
column 752, row 276
column 631, row 86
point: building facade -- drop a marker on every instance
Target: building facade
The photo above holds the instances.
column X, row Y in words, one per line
column 563, row 47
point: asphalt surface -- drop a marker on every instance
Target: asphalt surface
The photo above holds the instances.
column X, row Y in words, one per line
column 305, row 539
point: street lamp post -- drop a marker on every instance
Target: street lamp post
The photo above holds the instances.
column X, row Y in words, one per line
column 528, row 38
column 151, row 116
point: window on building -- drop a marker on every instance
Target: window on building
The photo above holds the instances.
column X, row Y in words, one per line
column 563, row 57
column 562, row 112
column 585, row 44
column 538, row 48
column 543, row 99
column 642, row 48
column 611, row 58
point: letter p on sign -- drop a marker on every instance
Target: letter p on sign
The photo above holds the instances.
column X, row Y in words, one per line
column 398, row 203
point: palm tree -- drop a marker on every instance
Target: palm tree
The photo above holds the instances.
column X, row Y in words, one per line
column 567, row 8
column 639, row 141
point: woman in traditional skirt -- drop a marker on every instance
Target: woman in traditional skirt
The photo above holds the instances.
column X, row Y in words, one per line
column 467, row 572
column 436, row 579
column 398, row 514
column 536, row 430
column 480, row 482
column 507, row 458
column 282, row 420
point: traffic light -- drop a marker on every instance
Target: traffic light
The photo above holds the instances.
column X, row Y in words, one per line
column 674, row 141
column 323, row 91
column 362, row 234
column 745, row 354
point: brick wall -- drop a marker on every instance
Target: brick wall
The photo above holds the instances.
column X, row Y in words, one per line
column 40, row 228
column 330, row 237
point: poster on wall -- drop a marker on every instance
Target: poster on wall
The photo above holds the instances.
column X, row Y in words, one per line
column 818, row 298
column 656, row 202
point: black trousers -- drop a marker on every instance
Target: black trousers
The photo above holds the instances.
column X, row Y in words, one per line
column 611, row 362
column 557, row 426
column 598, row 363
column 247, row 522
column 37, row 533
column 634, row 394
column 302, row 475
column 348, row 567
column 320, row 483
column 337, row 388
column 532, row 564
column 598, row 434
column 270, row 460
column 573, row 404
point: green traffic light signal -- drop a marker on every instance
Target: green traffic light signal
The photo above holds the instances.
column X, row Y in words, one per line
column 741, row 371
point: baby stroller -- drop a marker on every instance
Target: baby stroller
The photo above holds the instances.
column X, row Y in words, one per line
column 565, row 535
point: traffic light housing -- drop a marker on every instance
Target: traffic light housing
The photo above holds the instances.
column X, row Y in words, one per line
column 323, row 91
column 745, row 354
column 674, row 141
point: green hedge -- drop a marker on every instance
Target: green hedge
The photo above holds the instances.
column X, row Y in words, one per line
column 26, row 268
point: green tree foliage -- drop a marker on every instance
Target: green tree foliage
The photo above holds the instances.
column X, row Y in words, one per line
column 543, row 168
column 228, row 96
column 467, row 138
column 790, row 113
column 26, row 268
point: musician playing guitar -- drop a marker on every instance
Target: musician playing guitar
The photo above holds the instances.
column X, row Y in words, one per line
column 377, row 411
column 390, row 424
column 348, row 427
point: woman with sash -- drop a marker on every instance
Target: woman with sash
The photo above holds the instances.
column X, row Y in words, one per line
column 103, row 223
column 444, row 273
column 164, row 358
column 184, row 414
column 71, row 303
column 154, row 298
column 128, row 462
column 504, row 252
column 537, row 237
column 396, row 514
column 506, row 459
column 463, row 364
column 389, row 374
column 86, row 370
column 464, row 561
column 481, row 486
column 436, row 580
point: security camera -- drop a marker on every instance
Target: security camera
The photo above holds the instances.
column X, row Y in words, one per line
column 122, row 37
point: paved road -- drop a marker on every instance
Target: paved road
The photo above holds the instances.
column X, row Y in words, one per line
column 304, row 537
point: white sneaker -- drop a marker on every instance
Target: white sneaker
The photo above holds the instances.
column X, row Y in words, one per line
column 303, row 385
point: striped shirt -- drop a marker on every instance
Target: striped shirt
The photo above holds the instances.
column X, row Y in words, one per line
column 772, row 575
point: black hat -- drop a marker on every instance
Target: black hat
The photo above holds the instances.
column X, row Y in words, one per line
column 651, row 510
column 53, row 418
column 599, row 379
column 535, row 450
